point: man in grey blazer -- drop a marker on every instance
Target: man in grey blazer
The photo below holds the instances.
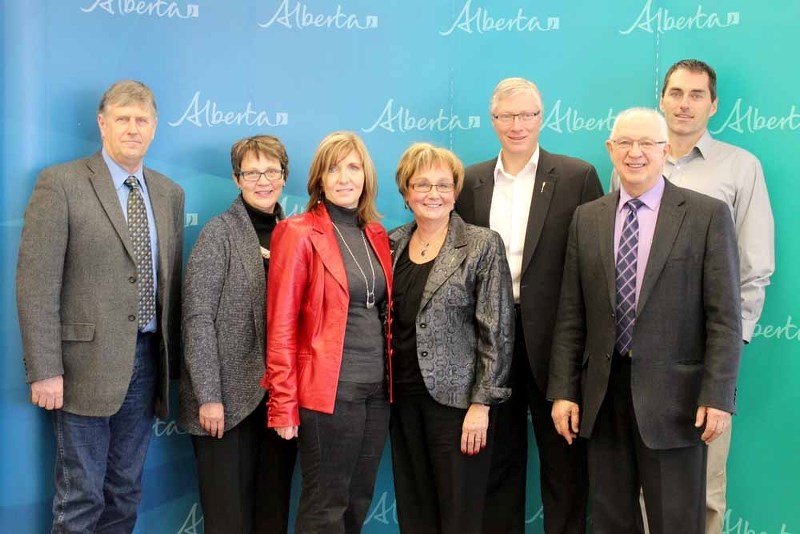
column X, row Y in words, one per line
column 648, row 338
column 98, row 294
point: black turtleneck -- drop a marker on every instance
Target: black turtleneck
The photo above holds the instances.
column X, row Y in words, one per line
column 362, row 358
column 264, row 223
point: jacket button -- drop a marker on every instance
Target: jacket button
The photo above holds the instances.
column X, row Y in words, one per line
column 132, row 279
column 608, row 356
column 424, row 354
column 131, row 317
column 423, row 325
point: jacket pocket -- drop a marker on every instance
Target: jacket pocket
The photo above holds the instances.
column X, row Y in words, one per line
column 77, row 332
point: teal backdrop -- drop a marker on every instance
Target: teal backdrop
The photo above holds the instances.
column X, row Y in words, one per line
column 395, row 72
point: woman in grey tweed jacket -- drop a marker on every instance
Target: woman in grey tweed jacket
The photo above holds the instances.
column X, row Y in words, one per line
column 244, row 470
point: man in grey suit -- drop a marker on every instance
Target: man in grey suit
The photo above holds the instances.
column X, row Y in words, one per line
column 98, row 282
column 647, row 343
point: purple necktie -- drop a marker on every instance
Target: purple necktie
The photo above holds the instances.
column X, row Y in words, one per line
column 626, row 277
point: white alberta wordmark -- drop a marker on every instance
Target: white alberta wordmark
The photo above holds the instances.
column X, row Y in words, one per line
column 153, row 8
column 480, row 20
column 293, row 14
column 567, row 119
column 749, row 119
column 400, row 119
column 662, row 20
column 207, row 113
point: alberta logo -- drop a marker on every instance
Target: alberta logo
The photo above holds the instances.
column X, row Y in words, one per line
column 663, row 20
column 298, row 15
column 207, row 113
column 152, row 8
column 396, row 118
column 481, row 20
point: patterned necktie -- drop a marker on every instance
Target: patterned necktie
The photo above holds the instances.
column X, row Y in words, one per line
column 140, row 237
column 626, row 277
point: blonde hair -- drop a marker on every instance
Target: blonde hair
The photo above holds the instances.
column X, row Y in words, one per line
column 332, row 149
column 423, row 156
column 513, row 86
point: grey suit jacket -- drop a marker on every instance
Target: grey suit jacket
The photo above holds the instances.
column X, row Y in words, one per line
column 562, row 183
column 76, row 284
column 465, row 323
column 224, row 321
column 687, row 334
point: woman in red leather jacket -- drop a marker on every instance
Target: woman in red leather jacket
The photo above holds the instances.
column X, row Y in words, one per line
column 329, row 296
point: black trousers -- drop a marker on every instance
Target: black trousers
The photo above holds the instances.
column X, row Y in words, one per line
column 437, row 488
column 673, row 480
column 339, row 458
column 245, row 478
column 562, row 467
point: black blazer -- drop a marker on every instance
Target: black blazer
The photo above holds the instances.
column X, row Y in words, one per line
column 562, row 184
column 687, row 335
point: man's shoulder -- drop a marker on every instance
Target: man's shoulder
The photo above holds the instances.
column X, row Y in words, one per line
column 67, row 169
column 698, row 201
column 562, row 161
column 162, row 181
column 480, row 169
column 727, row 150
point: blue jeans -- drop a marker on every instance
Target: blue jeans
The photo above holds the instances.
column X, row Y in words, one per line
column 99, row 460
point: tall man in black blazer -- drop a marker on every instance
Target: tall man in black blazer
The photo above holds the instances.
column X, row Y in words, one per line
column 98, row 294
column 647, row 342
column 528, row 195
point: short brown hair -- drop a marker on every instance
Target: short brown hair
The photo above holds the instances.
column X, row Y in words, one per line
column 259, row 145
column 125, row 92
column 698, row 67
column 332, row 149
column 423, row 156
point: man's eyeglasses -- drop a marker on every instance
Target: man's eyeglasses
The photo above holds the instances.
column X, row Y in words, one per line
column 644, row 144
column 508, row 118
column 425, row 187
column 272, row 175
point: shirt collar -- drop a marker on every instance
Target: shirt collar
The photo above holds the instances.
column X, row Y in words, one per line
column 499, row 169
column 650, row 198
column 119, row 175
column 704, row 144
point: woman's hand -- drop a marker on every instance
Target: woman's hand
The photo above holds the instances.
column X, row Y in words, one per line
column 212, row 418
column 287, row 432
column 473, row 431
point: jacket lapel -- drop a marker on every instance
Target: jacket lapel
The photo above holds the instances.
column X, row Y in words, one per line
column 450, row 257
column 399, row 240
column 324, row 242
column 482, row 195
column 670, row 217
column 164, row 228
column 543, row 188
column 381, row 250
column 606, row 217
column 245, row 241
column 104, row 188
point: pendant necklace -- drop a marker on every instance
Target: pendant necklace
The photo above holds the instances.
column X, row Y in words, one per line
column 425, row 245
column 370, row 293
column 264, row 253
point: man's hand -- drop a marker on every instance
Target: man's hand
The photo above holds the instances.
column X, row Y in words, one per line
column 48, row 393
column 212, row 418
column 717, row 422
column 566, row 417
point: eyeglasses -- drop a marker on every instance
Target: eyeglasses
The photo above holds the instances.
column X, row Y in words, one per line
column 272, row 175
column 425, row 187
column 644, row 144
column 508, row 118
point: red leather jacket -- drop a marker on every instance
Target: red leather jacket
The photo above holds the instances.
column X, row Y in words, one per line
column 307, row 301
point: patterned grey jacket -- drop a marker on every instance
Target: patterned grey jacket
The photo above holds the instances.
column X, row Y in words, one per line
column 465, row 324
column 224, row 321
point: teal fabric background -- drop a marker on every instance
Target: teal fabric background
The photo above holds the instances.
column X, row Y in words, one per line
column 395, row 72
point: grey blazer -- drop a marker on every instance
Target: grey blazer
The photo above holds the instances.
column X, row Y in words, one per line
column 224, row 321
column 687, row 334
column 76, row 285
column 465, row 323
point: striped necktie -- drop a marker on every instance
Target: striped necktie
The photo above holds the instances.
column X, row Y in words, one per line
column 627, row 255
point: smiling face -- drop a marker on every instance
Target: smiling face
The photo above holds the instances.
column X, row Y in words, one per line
column 433, row 206
column 518, row 138
column 344, row 181
column 639, row 169
column 127, row 131
column 687, row 104
column 262, row 194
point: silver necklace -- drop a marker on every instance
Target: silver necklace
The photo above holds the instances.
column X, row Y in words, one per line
column 370, row 293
